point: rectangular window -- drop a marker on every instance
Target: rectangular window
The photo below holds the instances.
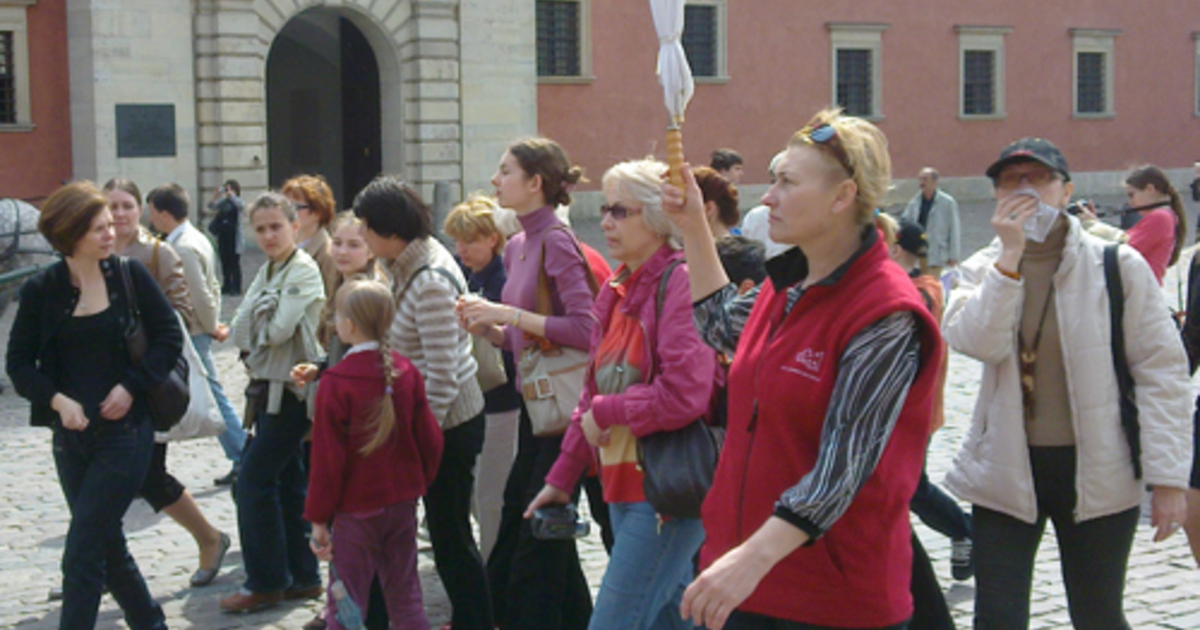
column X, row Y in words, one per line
column 1090, row 83
column 559, row 40
column 979, row 82
column 856, row 56
column 1092, row 68
column 854, row 78
column 700, row 41
column 8, row 80
column 981, row 71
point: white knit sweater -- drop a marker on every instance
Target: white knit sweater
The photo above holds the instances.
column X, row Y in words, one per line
column 426, row 331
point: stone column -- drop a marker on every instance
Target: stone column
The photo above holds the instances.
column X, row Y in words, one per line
column 430, row 64
column 230, row 69
column 499, row 83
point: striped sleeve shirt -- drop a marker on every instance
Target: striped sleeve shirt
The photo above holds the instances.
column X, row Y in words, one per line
column 426, row 331
column 875, row 372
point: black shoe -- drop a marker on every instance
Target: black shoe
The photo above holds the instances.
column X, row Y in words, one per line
column 228, row 480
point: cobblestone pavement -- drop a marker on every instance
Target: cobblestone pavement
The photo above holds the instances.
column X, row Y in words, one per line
column 1162, row 591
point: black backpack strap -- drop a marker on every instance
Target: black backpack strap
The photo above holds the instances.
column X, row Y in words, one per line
column 1116, row 314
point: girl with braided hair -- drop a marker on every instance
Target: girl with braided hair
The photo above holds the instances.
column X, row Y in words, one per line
column 376, row 448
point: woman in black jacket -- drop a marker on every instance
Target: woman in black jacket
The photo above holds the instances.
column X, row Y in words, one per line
column 67, row 355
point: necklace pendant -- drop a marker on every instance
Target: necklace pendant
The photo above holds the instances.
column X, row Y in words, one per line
column 1028, row 357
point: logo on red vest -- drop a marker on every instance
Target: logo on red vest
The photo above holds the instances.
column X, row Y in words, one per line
column 807, row 364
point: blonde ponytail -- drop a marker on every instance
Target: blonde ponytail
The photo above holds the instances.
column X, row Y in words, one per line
column 369, row 305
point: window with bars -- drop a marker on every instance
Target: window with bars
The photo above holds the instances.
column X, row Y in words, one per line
column 979, row 82
column 8, row 80
column 558, row 38
column 1090, row 90
column 700, row 33
column 854, row 88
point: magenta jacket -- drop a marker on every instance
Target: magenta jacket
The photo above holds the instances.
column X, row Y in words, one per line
column 573, row 323
column 685, row 368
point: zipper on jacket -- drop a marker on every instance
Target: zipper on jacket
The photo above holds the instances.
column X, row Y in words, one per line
column 746, row 469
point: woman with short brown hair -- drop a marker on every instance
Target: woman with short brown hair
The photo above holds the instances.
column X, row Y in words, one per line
column 67, row 355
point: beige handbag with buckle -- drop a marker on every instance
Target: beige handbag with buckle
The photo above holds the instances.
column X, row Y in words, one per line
column 551, row 375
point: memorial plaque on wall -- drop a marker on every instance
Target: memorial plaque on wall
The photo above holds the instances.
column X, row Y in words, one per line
column 145, row 131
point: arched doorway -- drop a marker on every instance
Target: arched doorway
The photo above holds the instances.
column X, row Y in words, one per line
column 323, row 103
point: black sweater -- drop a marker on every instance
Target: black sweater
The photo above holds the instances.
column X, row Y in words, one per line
column 48, row 299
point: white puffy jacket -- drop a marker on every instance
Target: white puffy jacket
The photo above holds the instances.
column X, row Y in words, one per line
column 981, row 321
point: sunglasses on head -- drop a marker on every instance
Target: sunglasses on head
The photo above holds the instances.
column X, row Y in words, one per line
column 826, row 135
column 617, row 211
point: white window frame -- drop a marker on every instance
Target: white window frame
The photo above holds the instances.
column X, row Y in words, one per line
column 12, row 18
column 585, row 48
column 858, row 36
column 989, row 39
column 1084, row 40
column 722, row 36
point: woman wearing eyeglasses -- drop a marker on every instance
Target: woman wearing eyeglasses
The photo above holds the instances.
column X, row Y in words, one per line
column 830, row 394
column 649, row 373
column 315, row 207
column 1047, row 441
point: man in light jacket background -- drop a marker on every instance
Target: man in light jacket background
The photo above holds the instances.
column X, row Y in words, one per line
column 168, row 209
column 937, row 212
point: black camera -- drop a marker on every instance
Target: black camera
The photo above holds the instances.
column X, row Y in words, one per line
column 1077, row 206
column 558, row 522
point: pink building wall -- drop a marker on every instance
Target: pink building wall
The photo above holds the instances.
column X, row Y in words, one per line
column 34, row 163
column 778, row 64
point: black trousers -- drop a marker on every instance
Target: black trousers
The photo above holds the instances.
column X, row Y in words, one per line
column 1094, row 553
column 448, row 513
column 536, row 584
column 930, row 611
column 231, row 266
column 739, row 620
column 160, row 488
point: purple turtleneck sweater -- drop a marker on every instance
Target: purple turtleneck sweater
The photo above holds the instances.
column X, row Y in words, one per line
column 571, row 324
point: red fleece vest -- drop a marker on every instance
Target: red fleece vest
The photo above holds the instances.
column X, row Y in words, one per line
column 857, row 574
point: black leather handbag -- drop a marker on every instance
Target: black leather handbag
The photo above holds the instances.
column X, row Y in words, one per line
column 169, row 398
column 678, row 466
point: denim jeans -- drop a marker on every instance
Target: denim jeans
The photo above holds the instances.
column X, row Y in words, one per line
column 233, row 438
column 101, row 471
column 941, row 513
column 448, row 512
column 650, row 567
column 1094, row 553
column 270, row 503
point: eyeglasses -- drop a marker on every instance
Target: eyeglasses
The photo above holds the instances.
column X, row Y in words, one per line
column 826, row 135
column 1036, row 176
column 617, row 211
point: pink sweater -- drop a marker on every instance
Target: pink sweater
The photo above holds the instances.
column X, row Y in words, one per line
column 1154, row 238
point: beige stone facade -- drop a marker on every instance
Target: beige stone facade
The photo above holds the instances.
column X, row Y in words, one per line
column 457, row 83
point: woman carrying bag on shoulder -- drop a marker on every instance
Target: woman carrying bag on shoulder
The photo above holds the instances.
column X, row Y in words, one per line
column 161, row 489
column 275, row 328
column 649, row 373
column 536, row 583
column 68, row 356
